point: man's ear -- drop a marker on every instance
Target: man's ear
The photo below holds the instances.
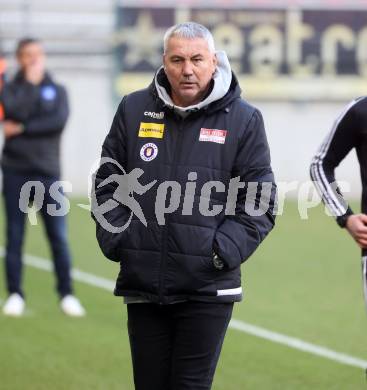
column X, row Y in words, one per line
column 215, row 62
column 164, row 59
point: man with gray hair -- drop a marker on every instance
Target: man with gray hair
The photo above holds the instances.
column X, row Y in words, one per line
column 189, row 130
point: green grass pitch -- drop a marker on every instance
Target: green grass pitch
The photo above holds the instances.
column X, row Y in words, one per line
column 304, row 281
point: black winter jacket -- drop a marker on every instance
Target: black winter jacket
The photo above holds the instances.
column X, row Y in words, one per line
column 43, row 110
column 172, row 262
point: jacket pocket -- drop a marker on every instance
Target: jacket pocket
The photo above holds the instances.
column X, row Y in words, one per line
column 189, row 275
column 139, row 271
column 140, row 257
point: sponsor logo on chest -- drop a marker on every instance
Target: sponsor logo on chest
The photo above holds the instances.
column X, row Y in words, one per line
column 151, row 130
column 154, row 115
column 213, row 135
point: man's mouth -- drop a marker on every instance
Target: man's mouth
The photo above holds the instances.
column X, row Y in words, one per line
column 187, row 84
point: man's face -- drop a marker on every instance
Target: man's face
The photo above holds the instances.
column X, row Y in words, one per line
column 189, row 66
column 31, row 55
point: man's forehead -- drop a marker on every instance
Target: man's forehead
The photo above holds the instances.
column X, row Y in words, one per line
column 187, row 46
column 32, row 47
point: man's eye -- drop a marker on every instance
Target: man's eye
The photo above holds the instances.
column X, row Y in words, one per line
column 197, row 60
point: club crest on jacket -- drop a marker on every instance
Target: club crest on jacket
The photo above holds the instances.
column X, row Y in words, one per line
column 149, row 151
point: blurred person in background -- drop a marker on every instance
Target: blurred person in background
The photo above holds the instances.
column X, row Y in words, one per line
column 2, row 79
column 181, row 278
column 349, row 132
column 35, row 114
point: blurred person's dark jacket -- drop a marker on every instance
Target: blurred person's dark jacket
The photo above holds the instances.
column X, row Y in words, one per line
column 43, row 111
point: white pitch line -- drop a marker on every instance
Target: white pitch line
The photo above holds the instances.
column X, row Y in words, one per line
column 292, row 342
column 299, row 344
column 80, row 276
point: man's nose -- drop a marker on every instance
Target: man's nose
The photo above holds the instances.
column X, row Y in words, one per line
column 187, row 69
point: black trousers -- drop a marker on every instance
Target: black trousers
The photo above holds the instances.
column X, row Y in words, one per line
column 177, row 346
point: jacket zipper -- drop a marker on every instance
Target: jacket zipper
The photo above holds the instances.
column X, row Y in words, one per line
column 162, row 268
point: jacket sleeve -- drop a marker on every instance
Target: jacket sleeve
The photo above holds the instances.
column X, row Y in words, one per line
column 18, row 101
column 113, row 155
column 336, row 146
column 53, row 122
column 240, row 234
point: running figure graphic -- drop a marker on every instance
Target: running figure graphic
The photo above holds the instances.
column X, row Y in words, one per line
column 128, row 184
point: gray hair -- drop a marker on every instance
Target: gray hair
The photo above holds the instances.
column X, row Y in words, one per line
column 189, row 30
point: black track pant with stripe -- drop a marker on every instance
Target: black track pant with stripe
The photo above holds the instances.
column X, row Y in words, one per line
column 177, row 346
column 364, row 277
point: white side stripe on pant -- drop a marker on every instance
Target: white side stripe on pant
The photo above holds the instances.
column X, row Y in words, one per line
column 292, row 342
column 229, row 291
column 364, row 277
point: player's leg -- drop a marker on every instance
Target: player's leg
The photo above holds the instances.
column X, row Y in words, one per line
column 15, row 227
column 56, row 230
column 151, row 335
column 199, row 334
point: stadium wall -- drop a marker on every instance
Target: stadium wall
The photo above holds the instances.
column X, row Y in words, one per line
column 82, row 56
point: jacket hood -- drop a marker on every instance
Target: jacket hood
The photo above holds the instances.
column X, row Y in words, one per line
column 222, row 82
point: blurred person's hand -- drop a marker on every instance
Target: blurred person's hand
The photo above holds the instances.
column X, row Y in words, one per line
column 11, row 128
column 357, row 228
column 34, row 72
